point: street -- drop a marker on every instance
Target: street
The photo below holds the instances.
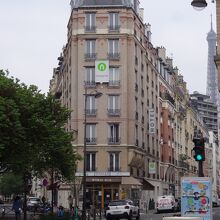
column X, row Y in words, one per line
column 151, row 215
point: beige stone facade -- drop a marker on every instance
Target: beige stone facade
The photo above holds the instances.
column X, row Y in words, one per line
column 139, row 132
column 119, row 144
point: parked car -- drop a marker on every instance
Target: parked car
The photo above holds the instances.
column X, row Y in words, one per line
column 33, row 203
column 122, row 209
column 166, row 203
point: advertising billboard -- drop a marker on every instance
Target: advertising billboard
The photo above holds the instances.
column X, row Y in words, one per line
column 196, row 197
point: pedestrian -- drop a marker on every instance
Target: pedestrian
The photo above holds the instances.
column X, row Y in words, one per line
column 43, row 200
column 70, row 201
column 60, row 212
column 17, row 205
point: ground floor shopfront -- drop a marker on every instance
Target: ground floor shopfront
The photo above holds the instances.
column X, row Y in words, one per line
column 101, row 190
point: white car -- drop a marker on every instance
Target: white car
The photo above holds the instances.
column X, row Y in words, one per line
column 166, row 203
column 122, row 209
column 33, row 203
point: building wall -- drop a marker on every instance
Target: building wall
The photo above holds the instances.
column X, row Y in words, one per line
column 144, row 86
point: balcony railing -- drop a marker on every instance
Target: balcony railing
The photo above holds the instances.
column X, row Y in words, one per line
column 114, row 112
column 90, row 83
column 114, row 83
column 114, row 169
column 113, row 28
column 90, row 28
column 91, row 169
column 91, row 112
column 90, row 56
column 90, row 140
column 114, row 140
column 183, row 164
column 114, row 56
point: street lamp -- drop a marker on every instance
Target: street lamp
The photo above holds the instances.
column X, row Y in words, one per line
column 96, row 95
column 199, row 4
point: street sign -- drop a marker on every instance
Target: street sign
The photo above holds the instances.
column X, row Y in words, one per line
column 102, row 71
column 152, row 168
column 196, row 197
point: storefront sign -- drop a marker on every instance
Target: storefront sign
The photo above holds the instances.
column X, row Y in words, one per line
column 152, row 167
column 104, row 174
column 102, row 71
column 103, row 180
column 152, row 124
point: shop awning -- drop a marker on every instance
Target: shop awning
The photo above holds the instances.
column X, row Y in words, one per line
column 129, row 180
column 147, row 184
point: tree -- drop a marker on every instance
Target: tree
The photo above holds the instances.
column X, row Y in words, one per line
column 11, row 184
column 32, row 135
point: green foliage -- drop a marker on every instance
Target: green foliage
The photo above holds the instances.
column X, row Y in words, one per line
column 11, row 184
column 32, row 135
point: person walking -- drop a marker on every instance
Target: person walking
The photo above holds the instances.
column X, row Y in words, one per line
column 17, row 205
column 70, row 202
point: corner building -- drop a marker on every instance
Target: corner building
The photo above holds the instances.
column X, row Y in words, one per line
column 121, row 125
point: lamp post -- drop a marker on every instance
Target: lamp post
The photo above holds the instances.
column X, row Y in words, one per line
column 96, row 95
column 199, row 4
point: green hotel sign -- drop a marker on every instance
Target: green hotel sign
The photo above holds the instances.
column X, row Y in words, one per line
column 102, row 71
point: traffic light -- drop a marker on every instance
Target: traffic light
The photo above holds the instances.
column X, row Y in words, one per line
column 199, row 149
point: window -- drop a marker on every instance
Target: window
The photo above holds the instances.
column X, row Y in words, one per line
column 91, row 134
column 114, row 161
column 90, row 162
column 90, row 49
column 113, row 49
column 113, row 105
column 90, row 76
column 114, row 135
column 114, row 79
column 90, row 22
column 113, row 22
column 90, row 105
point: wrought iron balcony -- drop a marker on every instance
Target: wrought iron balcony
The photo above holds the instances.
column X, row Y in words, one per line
column 114, row 140
column 183, row 165
column 90, row 56
column 114, row 112
column 90, row 83
column 113, row 28
column 91, row 112
column 114, row 169
column 90, row 140
column 114, row 56
column 90, row 28
column 114, row 83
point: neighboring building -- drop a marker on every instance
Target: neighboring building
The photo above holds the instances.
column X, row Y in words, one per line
column 207, row 110
column 213, row 170
column 217, row 57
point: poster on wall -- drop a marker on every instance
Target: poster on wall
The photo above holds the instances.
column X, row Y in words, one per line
column 101, row 71
column 196, row 199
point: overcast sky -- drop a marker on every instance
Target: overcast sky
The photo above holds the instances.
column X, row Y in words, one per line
column 32, row 34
